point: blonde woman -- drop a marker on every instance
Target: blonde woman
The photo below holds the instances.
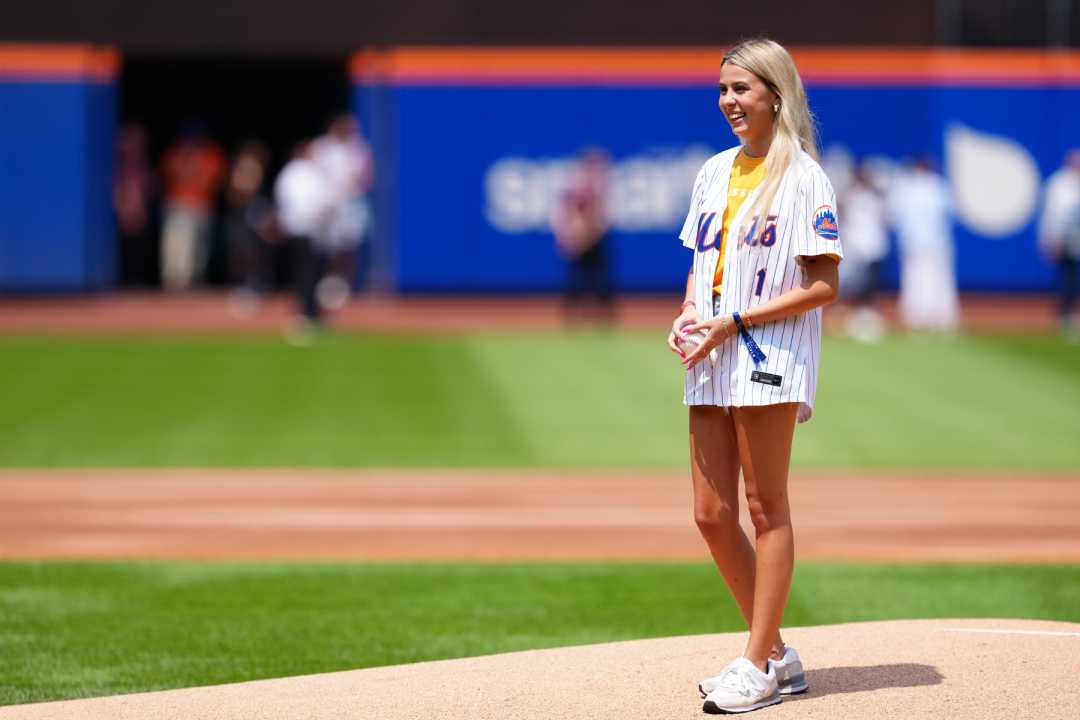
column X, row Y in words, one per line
column 763, row 228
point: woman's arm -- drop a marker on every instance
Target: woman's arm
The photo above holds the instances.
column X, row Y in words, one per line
column 820, row 286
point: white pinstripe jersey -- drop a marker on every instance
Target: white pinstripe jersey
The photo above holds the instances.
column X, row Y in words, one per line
column 759, row 266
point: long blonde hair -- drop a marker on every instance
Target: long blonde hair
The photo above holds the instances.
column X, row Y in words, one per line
column 793, row 125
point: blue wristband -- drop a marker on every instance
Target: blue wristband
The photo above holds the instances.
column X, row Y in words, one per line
column 755, row 352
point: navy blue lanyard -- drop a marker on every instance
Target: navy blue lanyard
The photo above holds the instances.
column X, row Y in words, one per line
column 755, row 352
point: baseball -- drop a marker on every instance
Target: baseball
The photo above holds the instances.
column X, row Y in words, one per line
column 688, row 342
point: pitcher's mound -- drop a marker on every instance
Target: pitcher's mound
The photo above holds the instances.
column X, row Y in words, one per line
column 976, row 669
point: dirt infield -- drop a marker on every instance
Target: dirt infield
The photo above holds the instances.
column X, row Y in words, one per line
column 956, row 669
column 517, row 515
column 213, row 313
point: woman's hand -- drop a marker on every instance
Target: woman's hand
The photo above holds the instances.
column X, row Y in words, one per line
column 716, row 331
column 689, row 316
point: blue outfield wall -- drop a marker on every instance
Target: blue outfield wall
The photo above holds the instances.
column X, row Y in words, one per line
column 988, row 149
column 56, row 158
column 468, row 171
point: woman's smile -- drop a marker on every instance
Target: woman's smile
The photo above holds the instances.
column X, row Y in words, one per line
column 747, row 104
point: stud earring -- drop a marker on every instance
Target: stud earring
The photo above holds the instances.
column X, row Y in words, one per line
column 776, row 108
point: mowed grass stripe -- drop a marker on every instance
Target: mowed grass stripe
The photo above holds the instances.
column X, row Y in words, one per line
column 95, row 628
column 371, row 401
column 578, row 400
column 591, row 399
column 979, row 402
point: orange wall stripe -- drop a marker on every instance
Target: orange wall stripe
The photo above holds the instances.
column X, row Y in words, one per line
column 58, row 63
column 696, row 66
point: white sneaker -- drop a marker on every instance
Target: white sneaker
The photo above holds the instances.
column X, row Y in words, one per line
column 742, row 688
column 789, row 675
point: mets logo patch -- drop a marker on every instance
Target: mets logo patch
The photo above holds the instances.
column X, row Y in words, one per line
column 825, row 223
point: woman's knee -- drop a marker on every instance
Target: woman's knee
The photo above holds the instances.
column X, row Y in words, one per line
column 713, row 519
column 768, row 513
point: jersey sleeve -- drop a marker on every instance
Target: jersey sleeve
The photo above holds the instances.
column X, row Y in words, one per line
column 688, row 234
column 818, row 231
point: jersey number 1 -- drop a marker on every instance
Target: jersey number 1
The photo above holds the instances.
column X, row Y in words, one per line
column 760, row 282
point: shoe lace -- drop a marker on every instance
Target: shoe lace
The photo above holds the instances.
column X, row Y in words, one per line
column 732, row 679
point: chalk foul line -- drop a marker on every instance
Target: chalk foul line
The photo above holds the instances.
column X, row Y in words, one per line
column 992, row 631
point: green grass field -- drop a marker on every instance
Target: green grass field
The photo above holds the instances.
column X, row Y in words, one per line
column 84, row 629
column 485, row 400
column 505, row 400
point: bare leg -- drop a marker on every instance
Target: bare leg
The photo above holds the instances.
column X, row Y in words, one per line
column 714, row 469
column 764, row 440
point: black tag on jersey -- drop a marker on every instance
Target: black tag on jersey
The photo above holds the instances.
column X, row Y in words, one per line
column 766, row 378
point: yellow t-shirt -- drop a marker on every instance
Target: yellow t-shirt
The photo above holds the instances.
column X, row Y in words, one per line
column 746, row 174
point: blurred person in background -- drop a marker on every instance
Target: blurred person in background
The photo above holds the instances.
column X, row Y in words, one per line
column 1059, row 237
column 866, row 243
column 192, row 173
column 581, row 228
column 305, row 198
column 346, row 160
column 248, row 227
column 135, row 203
column 919, row 206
